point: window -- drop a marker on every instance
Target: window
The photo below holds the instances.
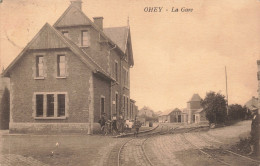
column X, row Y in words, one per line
column 50, row 105
column 84, row 38
column 65, row 33
column 116, row 71
column 127, row 113
column 102, row 105
column 116, row 103
column 61, row 63
column 39, row 66
column 39, row 105
column 61, row 104
column 125, row 77
column 124, row 107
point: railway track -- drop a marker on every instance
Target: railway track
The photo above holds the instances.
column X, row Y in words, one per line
column 138, row 146
column 223, row 156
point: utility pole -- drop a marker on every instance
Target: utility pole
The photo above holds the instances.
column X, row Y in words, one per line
column 226, row 88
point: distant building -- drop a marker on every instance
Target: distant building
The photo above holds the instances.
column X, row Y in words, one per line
column 252, row 104
column 171, row 116
column 194, row 112
column 146, row 111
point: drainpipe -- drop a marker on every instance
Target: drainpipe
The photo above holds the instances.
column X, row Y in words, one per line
column 111, row 85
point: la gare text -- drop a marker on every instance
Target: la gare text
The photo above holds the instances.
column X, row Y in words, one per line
column 162, row 9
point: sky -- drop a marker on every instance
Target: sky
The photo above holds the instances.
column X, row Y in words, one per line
column 176, row 54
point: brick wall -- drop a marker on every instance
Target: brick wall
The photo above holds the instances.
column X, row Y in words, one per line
column 101, row 89
column 24, row 84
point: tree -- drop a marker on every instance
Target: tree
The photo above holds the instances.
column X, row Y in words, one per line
column 214, row 105
column 237, row 112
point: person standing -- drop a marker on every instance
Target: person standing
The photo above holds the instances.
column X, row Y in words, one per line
column 254, row 141
column 137, row 125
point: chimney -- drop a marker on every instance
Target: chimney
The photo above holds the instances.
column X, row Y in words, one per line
column 99, row 22
column 76, row 3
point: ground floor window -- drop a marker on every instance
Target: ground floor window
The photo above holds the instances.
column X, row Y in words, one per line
column 39, row 105
column 61, row 104
column 50, row 105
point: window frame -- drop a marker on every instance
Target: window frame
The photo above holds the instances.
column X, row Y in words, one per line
column 45, row 115
column 102, row 97
column 58, row 66
column 37, row 73
column 125, row 77
column 82, row 38
column 116, row 71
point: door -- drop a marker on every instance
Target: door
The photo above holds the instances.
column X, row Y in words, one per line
column 179, row 118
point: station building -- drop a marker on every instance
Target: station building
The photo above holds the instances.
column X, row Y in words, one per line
column 71, row 73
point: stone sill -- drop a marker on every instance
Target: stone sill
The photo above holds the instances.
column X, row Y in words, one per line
column 126, row 88
column 64, row 117
column 61, row 77
column 39, row 78
column 84, row 46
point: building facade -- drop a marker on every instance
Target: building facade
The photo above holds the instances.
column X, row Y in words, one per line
column 194, row 112
column 71, row 73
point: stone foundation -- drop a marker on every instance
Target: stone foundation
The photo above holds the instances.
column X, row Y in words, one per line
column 52, row 128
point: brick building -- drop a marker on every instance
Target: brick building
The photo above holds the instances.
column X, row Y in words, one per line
column 69, row 74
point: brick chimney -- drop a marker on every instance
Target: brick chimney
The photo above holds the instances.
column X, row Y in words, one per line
column 99, row 22
column 76, row 3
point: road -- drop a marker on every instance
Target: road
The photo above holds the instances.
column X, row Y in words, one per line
column 169, row 145
column 187, row 147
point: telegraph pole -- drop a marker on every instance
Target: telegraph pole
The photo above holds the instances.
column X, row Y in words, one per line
column 226, row 88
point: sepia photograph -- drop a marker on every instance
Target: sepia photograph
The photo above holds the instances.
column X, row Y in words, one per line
column 129, row 82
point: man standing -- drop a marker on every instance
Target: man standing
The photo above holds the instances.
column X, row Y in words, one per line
column 254, row 142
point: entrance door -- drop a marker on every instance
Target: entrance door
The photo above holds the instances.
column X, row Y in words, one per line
column 179, row 118
column 193, row 118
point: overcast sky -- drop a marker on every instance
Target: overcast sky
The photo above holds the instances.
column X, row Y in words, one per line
column 176, row 54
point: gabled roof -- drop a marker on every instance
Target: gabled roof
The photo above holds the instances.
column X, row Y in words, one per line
column 72, row 13
column 195, row 97
column 169, row 111
column 46, row 39
column 68, row 18
column 199, row 111
column 119, row 36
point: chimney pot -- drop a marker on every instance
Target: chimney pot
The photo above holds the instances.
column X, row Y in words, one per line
column 76, row 3
column 99, row 22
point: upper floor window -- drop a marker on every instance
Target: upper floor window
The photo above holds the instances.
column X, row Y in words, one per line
column 65, row 33
column 84, row 38
column 116, row 71
column 39, row 66
column 125, row 77
column 61, row 63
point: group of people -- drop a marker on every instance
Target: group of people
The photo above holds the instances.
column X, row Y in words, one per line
column 118, row 125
